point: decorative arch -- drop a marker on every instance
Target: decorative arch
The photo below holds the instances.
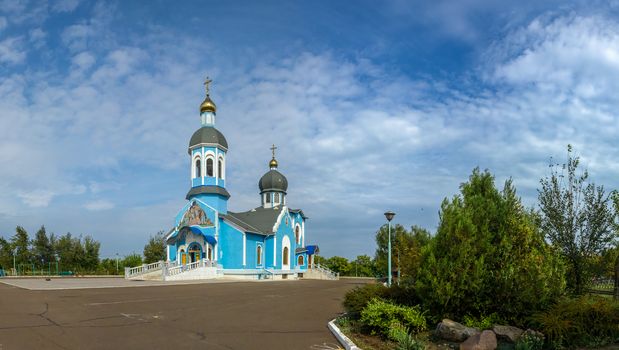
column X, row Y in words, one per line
column 297, row 233
column 300, row 260
column 258, row 255
column 285, row 253
column 221, row 169
column 196, row 166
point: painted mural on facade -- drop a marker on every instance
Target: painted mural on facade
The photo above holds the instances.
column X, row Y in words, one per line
column 195, row 216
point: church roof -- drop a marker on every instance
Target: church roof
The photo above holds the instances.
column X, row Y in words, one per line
column 298, row 211
column 208, row 135
column 273, row 180
column 207, row 189
column 259, row 220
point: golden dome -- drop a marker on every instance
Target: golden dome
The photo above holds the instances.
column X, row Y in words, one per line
column 273, row 163
column 208, row 105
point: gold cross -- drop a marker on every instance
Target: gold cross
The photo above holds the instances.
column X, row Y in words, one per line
column 207, row 84
column 273, row 148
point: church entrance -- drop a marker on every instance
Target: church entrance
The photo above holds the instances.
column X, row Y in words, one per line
column 194, row 252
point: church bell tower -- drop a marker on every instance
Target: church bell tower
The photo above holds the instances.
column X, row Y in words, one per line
column 207, row 149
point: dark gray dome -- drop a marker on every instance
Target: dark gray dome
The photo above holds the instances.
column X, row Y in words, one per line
column 273, row 181
column 210, row 135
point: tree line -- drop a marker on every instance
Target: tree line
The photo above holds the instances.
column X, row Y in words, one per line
column 68, row 254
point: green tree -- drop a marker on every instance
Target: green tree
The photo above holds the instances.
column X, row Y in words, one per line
column 90, row 259
column 339, row 264
column 42, row 248
column 155, row 249
column 576, row 217
column 132, row 260
column 21, row 243
column 406, row 249
column 488, row 256
column 6, row 255
column 363, row 266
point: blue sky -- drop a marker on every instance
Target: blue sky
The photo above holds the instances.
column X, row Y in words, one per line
column 373, row 105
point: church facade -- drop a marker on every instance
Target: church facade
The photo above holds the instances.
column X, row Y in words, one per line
column 268, row 239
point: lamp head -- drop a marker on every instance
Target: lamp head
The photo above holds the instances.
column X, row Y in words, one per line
column 389, row 215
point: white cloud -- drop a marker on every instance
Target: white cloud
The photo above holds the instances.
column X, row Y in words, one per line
column 12, row 51
column 64, row 5
column 100, row 204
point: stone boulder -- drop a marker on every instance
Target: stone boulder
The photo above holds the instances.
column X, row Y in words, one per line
column 454, row 331
column 508, row 334
column 485, row 340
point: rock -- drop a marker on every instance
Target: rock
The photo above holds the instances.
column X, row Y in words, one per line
column 454, row 331
column 508, row 334
column 486, row 340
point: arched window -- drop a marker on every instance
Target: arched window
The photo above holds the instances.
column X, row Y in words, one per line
column 286, row 260
column 297, row 236
column 198, row 171
column 209, row 253
column 220, row 168
column 300, row 260
column 209, row 166
column 268, row 198
column 259, row 255
column 276, row 200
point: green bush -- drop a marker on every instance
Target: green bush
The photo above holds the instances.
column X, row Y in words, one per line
column 357, row 299
column 404, row 338
column 379, row 316
column 488, row 256
column 586, row 321
column 482, row 322
column 530, row 341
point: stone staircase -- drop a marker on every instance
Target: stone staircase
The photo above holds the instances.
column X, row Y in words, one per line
column 319, row 272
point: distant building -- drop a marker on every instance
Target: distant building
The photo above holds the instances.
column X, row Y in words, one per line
column 267, row 241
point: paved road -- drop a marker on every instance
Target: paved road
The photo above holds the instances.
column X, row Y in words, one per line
column 238, row 315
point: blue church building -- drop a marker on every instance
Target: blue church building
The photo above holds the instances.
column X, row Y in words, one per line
column 268, row 239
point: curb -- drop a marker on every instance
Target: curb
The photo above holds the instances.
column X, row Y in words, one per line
column 344, row 340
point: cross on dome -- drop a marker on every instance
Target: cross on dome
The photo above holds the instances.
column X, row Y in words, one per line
column 273, row 162
column 207, row 84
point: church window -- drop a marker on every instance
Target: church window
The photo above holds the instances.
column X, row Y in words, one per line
column 259, row 255
column 276, row 198
column 285, row 254
column 198, row 168
column 209, row 167
column 268, row 198
column 300, row 260
column 297, row 236
column 220, row 168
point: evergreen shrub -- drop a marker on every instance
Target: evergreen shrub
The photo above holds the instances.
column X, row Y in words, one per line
column 589, row 321
column 379, row 316
column 357, row 299
column 488, row 256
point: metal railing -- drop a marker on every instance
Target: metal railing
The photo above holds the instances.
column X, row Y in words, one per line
column 175, row 268
column 140, row 270
column 327, row 272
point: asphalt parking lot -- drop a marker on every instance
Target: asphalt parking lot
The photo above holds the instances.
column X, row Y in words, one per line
column 234, row 315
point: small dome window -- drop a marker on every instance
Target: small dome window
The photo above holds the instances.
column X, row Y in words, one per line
column 198, row 170
column 209, row 167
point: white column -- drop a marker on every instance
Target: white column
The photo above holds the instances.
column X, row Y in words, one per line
column 216, row 167
column 244, row 250
column 275, row 251
column 202, row 164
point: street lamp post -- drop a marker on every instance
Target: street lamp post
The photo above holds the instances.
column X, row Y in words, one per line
column 14, row 267
column 116, row 263
column 389, row 215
